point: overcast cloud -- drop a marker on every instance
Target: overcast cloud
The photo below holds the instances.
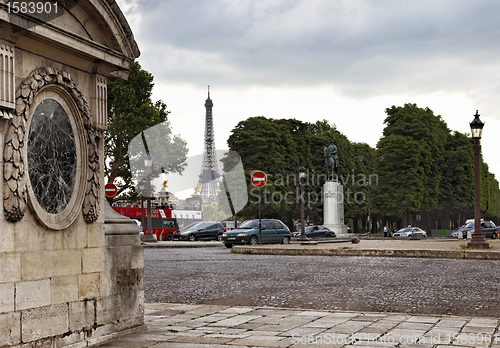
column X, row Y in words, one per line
column 336, row 58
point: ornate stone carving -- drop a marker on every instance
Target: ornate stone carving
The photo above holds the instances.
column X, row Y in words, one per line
column 15, row 173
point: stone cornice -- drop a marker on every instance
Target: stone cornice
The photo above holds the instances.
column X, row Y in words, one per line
column 77, row 45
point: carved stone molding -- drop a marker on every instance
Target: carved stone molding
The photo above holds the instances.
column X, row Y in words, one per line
column 15, row 171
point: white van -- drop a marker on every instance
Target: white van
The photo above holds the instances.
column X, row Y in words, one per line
column 468, row 221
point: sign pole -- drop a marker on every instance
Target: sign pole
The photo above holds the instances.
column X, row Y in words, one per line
column 259, row 179
column 260, row 219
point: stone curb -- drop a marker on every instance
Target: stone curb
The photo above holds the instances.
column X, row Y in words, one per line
column 183, row 245
column 446, row 254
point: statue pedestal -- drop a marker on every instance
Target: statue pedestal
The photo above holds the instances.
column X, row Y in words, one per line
column 333, row 208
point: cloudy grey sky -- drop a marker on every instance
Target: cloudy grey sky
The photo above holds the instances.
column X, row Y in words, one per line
column 341, row 60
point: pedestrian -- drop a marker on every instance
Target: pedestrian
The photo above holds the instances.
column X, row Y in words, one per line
column 386, row 229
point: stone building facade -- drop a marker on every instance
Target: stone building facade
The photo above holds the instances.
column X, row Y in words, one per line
column 71, row 270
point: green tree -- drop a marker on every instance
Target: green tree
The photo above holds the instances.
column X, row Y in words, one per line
column 130, row 112
column 430, row 132
column 457, row 183
column 366, row 169
column 402, row 179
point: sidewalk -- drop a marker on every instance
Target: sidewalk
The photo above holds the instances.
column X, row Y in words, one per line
column 204, row 326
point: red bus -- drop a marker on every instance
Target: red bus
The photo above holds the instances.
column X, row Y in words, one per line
column 164, row 221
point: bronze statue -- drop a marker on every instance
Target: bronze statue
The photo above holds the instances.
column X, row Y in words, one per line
column 331, row 160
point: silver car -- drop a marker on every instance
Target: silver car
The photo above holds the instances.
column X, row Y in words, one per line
column 410, row 232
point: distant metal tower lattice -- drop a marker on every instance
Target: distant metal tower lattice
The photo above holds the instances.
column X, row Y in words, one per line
column 209, row 176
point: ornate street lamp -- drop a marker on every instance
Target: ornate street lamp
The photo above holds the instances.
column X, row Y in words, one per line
column 477, row 241
column 148, row 163
column 302, row 181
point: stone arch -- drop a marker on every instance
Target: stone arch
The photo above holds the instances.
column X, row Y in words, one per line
column 15, row 168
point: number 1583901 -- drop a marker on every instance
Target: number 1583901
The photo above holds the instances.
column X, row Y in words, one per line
column 32, row 7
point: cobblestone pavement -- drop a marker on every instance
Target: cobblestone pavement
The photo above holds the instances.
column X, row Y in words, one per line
column 205, row 326
column 215, row 276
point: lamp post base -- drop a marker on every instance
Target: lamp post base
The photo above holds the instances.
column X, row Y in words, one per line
column 149, row 238
column 302, row 239
column 478, row 242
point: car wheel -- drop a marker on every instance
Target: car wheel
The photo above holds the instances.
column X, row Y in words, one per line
column 228, row 245
column 168, row 236
column 192, row 238
column 494, row 235
column 253, row 240
column 329, row 235
column 285, row 240
column 219, row 237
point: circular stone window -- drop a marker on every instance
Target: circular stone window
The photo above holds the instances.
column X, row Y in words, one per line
column 51, row 156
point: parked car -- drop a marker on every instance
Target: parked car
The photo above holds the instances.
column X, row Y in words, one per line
column 408, row 232
column 205, row 230
column 137, row 222
column 454, row 234
column 315, row 231
column 273, row 231
column 417, row 233
column 488, row 229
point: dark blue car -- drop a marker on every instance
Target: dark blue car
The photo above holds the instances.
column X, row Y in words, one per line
column 272, row 231
column 488, row 229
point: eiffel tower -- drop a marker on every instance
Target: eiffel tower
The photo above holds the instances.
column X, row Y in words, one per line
column 209, row 176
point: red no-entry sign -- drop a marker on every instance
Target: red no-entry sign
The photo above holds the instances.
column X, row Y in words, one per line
column 110, row 190
column 258, row 178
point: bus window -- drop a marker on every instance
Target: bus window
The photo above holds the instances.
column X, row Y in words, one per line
column 170, row 223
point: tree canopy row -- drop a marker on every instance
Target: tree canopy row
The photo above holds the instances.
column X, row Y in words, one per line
column 421, row 173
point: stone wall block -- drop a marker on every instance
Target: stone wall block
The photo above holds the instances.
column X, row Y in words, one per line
column 118, row 258
column 81, row 315
column 101, row 334
column 74, row 340
column 33, row 294
column 42, row 322
column 10, row 328
column 6, row 297
column 64, row 289
column 81, row 236
column 137, row 254
column 93, row 260
column 57, row 263
column 95, row 236
column 7, row 239
column 43, row 343
column 10, row 267
column 53, row 240
column 106, row 285
column 56, row 240
column 132, row 304
column 108, row 309
column 127, row 280
column 28, row 237
column 88, row 285
column 122, row 240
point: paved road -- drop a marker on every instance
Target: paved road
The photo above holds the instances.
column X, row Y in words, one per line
column 420, row 286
